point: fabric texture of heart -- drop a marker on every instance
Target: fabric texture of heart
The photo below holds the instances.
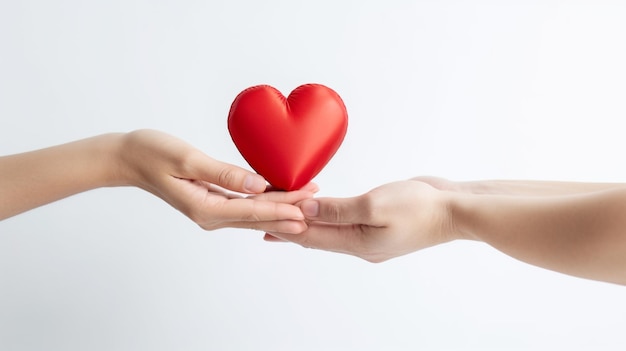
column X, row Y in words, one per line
column 288, row 140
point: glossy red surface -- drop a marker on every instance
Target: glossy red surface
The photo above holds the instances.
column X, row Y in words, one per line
column 288, row 140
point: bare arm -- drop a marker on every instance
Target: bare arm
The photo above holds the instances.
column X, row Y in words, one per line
column 583, row 234
column 169, row 168
column 519, row 187
column 36, row 178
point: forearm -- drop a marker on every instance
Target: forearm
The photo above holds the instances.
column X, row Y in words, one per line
column 534, row 187
column 582, row 235
column 39, row 177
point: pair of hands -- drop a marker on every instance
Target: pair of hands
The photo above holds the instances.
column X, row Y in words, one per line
column 389, row 221
column 574, row 228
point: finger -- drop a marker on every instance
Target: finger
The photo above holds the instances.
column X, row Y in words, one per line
column 289, row 197
column 290, row 227
column 228, row 176
column 337, row 210
column 312, row 187
column 213, row 211
column 250, row 210
column 342, row 238
column 270, row 238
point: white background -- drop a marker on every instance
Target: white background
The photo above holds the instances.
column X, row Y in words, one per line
column 460, row 89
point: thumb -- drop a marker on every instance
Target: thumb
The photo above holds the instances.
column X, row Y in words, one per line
column 231, row 177
column 336, row 210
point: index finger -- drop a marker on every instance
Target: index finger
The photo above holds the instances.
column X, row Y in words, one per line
column 227, row 176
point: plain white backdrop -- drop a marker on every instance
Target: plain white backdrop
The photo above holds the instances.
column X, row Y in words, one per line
column 459, row 89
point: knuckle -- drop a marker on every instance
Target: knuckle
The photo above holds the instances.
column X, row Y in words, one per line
column 185, row 163
column 332, row 212
column 252, row 215
column 226, row 176
column 368, row 206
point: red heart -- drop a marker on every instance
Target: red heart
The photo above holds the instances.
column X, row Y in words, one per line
column 288, row 141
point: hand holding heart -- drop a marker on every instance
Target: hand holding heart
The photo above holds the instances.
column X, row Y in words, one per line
column 183, row 176
column 313, row 125
column 195, row 184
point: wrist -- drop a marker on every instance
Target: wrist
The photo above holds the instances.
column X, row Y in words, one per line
column 448, row 216
column 477, row 187
column 115, row 170
column 462, row 211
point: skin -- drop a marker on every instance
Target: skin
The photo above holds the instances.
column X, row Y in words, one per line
column 211, row 193
column 574, row 228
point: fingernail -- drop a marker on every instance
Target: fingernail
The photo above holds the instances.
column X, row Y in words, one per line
column 311, row 208
column 254, row 184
